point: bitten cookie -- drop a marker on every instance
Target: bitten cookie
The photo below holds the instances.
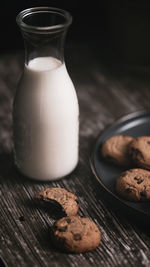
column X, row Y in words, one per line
column 115, row 150
column 59, row 200
column 139, row 150
column 76, row 234
column 134, row 185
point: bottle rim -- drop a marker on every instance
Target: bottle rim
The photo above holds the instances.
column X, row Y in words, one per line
column 43, row 29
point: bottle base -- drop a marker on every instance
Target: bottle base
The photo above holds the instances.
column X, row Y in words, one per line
column 46, row 178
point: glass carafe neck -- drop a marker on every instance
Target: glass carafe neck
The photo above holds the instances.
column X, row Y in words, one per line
column 44, row 30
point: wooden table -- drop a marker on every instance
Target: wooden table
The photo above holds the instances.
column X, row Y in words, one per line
column 105, row 93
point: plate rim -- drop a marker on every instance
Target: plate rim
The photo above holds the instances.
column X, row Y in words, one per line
column 91, row 159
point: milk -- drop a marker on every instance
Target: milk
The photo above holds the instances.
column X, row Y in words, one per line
column 45, row 120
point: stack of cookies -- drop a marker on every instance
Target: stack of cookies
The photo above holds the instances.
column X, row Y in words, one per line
column 134, row 154
column 70, row 233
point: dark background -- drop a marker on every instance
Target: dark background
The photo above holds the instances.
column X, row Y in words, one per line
column 87, row 20
column 121, row 29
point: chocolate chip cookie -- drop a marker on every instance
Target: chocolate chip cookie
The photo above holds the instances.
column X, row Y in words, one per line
column 134, row 185
column 139, row 149
column 75, row 234
column 115, row 150
column 59, row 201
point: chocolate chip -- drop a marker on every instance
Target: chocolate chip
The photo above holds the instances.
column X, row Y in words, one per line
column 128, row 190
column 68, row 220
column 77, row 237
column 148, row 142
column 62, row 229
column 21, row 219
column 139, row 180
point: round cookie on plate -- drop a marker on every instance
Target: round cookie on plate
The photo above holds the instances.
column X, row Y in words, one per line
column 134, row 185
column 75, row 234
column 115, row 150
column 139, row 150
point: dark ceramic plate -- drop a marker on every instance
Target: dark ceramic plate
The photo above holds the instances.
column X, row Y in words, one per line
column 135, row 124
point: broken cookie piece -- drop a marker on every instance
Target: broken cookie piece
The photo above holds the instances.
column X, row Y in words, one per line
column 58, row 201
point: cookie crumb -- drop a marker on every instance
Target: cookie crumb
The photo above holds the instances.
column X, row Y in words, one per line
column 21, row 218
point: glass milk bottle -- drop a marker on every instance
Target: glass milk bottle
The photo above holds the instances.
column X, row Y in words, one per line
column 46, row 111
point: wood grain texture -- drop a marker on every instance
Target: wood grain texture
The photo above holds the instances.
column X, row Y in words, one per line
column 104, row 95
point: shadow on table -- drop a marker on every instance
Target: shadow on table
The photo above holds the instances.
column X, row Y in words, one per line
column 6, row 166
column 8, row 170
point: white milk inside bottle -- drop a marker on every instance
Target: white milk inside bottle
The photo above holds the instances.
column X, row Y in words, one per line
column 45, row 120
